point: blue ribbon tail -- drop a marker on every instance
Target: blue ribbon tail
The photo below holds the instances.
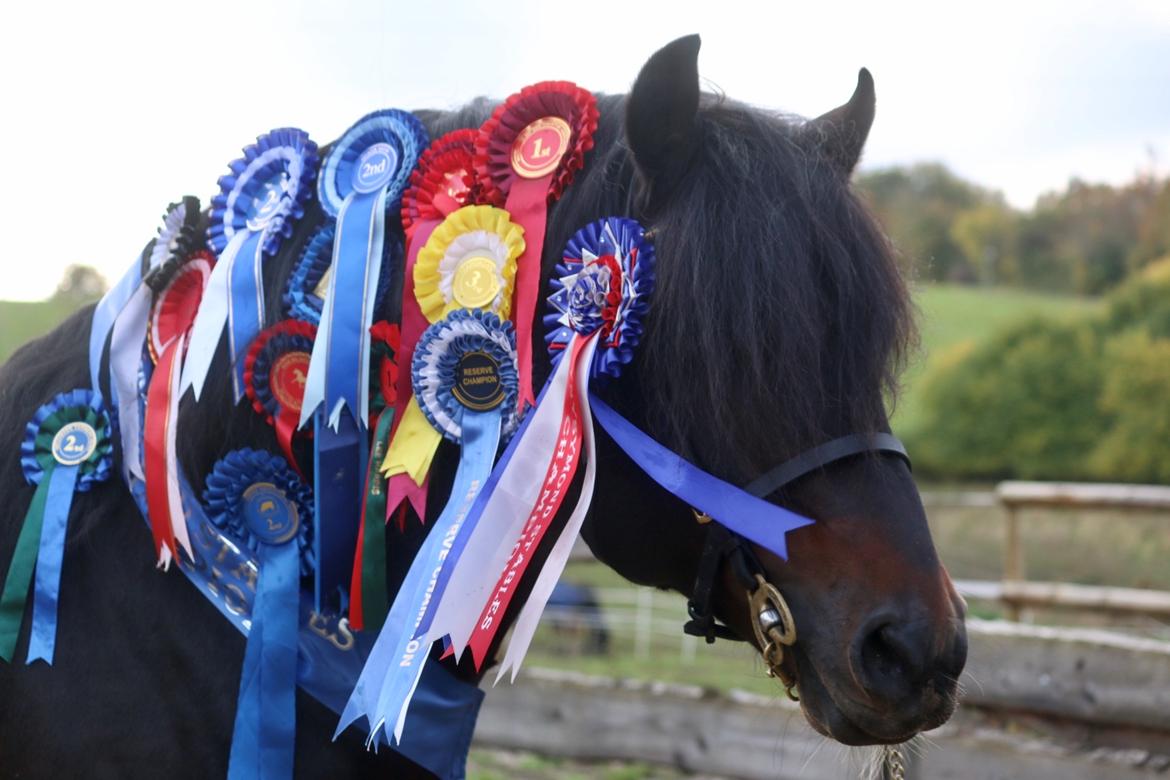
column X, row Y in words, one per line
column 753, row 518
column 357, row 263
column 264, row 735
column 43, row 635
column 481, row 440
column 245, row 305
column 104, row 314
column 339, row 472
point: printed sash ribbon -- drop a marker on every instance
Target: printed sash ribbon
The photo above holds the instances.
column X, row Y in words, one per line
column 465, row 379
column 469, row 262
column 257, row 499
column 601, row 290
column 369, row 603
column 275, row 374
column 363, row 177
column 442, row 183
column 66, row 449
column 170, row 320
column 258, row 205
column 526, row 154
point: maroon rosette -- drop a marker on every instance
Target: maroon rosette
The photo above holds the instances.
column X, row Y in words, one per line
column 497, row 137
column 443, row 181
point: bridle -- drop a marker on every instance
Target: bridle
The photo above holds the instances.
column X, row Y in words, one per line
column 771, row 618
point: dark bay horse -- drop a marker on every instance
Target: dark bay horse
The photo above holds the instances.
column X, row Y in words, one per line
column 779, row 322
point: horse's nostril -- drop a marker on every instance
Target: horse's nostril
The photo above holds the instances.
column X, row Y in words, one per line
column 890, row 657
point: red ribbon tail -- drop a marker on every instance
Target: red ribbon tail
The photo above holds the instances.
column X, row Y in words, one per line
column 401, row 490
column 286, row 428
column 528, row 204
column 155, row 427
column 356, row 619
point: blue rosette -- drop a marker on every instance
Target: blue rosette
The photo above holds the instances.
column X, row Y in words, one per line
column 255, row 498
column 437, row 363
column 361, row 184
column 266, row 189
column 400, row 130
column 257, row 207
column 304, row 293
column 602, row 285
column 67, row 449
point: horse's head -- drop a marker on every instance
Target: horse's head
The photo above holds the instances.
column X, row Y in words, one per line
column 779, row 322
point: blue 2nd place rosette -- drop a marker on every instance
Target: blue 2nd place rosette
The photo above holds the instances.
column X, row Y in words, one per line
column 466, row 381
column 602, row 285
column 361, row 182
column 257, row 499
column 258, row 204
column 66, row 449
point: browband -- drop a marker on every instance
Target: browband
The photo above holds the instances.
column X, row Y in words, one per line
column 831, row 451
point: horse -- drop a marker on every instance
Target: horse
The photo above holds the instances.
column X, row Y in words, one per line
column 780, row 321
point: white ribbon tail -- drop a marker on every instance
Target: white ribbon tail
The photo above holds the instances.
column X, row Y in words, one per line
column 125, row 356
column 504, row 514
column 525, row 626
column 174, row 494
column 210, row 320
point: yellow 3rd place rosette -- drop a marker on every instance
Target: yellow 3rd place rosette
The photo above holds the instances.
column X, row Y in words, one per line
column 469, row 262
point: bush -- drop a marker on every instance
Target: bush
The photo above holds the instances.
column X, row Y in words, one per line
column 1136, row 395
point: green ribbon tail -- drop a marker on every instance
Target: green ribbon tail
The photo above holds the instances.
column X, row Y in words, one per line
column 20, row 571
column 375, row 600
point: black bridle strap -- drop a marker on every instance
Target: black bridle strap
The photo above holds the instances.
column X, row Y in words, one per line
column 818, row 457
column 721, row 543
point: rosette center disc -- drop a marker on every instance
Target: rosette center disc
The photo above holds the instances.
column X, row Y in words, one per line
column 269, row 513
column 477, row 382
column 476, row 283
column 539, row 147
column 74, row 443
column 267, row 202
column 375, row 167
column 288, row 377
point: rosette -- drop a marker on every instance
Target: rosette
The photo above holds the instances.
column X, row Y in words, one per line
column 525, row 155
column 257, row 499
column 66, row 449
column 304, row 295
column 259, row 202
column 368, row 588
column 275, row 372
column 443, row 182
column 362, row 179
column 465, row 375
column 171, row 319
column 178, row 238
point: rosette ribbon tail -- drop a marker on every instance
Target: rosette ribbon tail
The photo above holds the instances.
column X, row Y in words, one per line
column 408, row 460
column 498, row 518
column 24, row 559
column 525, row 626
column 564, row 457
column 46, row 592
column 368, row 602
column 163, row 495
column 210, row 319
column 755, row 519
column 105, row 314
column 264, row 734
column 245, row 304
column 125, row 356
column 391, row 673
column 527, row 203
column 338, row 469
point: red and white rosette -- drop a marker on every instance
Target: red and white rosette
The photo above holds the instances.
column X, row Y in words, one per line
column 525, row 156
column 171, row 319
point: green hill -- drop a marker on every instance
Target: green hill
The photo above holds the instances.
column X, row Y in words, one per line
column 21, row 322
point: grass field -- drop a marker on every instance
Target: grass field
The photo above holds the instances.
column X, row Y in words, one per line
column 21, row 322
column 950, row 315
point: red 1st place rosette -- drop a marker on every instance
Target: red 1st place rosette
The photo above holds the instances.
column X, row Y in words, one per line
column 525, row 156
column 275, row 371
column 171, row 318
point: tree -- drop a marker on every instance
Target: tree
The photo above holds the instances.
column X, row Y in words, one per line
column 79, row 285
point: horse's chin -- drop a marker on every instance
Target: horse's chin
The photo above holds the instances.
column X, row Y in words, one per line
column 854, row 722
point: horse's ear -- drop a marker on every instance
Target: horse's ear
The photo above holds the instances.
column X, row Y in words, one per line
column 842, row 131
column 660, row 114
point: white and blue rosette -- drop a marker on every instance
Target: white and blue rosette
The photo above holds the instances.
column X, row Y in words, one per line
column 362, row 180
column 304, row 295
column 256, row 499
column 465, row 377
column 67, row 449
column 259, row 203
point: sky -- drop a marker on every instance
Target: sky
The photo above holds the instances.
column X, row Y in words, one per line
column 113, row 110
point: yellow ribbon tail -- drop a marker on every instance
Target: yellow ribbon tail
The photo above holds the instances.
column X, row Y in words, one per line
column 413, row 447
